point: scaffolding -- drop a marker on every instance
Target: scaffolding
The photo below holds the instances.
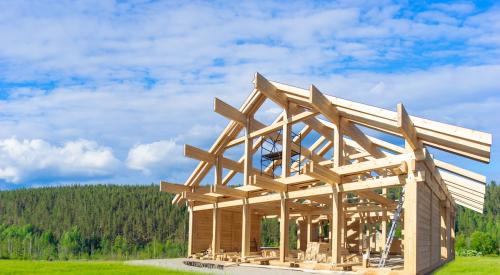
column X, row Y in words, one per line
column 271, row 151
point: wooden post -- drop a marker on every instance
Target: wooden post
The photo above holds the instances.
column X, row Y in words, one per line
column 452, row 234
column 218, row 171
column 309, row 229
column 443, row 229
column 216, row 230
column 360, row 234
column 190, row 234
column 449, row 226
column 245, row 230
column 247, row 167
column 336, row 226
column 411, row 226
column 284, row 219
column 383, row 224
column 287, row 139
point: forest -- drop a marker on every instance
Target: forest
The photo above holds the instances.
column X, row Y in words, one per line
column 136, row 222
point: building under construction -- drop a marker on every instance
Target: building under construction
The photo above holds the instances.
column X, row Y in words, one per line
column 358, row 181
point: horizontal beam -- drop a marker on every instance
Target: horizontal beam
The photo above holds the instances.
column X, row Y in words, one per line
column 227, row 191
column 322, row 173
column 309, row 193
column 198, row 197
column 267, row 183
column 172, row 187
column 395, row 161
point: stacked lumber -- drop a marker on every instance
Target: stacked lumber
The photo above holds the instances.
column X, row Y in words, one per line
column 318, row 252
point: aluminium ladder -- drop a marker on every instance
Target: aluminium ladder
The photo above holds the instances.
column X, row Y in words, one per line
column 395, row 220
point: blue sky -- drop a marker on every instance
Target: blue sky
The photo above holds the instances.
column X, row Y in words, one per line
column 105, row 91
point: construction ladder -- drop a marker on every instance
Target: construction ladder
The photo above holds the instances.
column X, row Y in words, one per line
column 395, row 220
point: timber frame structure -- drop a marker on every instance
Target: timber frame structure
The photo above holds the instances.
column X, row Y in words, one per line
column 345, row 180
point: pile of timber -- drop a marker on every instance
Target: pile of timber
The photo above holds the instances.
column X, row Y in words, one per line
column 316, row 252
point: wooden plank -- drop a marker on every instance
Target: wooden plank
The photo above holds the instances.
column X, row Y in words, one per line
column 406, row 128
column 172, row 187
column 267, row 183
column 460, row 171
column 395, row 161
column 229, row 111
column 198, row 197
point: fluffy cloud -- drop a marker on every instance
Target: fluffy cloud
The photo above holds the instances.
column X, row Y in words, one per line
column 156, row 157
column 26, row 160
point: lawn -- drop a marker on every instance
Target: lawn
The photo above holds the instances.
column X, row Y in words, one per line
column 80, row 267
column 471, row 265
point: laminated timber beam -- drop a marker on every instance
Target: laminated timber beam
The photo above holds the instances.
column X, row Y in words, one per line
column 172, row 187
column 229, row 112
column 322, row 173
column 267, row 183
column 199, row 154
column 198, row 197
column 323, row 105
column 465, row 142
column 227, row 191
column 407, row 128
column 310, row 193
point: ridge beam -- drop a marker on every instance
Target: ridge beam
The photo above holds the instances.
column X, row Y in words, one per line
column 229, row 111
column 407, row 128
column 267, row 183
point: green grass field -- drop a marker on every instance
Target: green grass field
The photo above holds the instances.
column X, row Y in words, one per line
column 471, row 265
column 79, row 267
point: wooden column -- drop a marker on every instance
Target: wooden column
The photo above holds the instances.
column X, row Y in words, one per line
column 383, row 224
column 336, row 226
column 216, row 230
column 309, row 229
column 247, row 165
column 411, row 227
column 190, row 233
column 449, row 225
column 286, row 142
column 360, row 233
column 218, row 171
column 284, row 219
column 245, row 229
column 443, row 229
column 452, row 234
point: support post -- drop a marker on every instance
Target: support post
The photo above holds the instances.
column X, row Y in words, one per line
column 247, row 166
column 287, row 140
column 190, row 233
column 383, row 224
column 449, row 226
column 245, row 230
column 309, row 229
column 411, row 227
column 336, row 226
column 216, row 230
column 284, row 219
column 444, row 233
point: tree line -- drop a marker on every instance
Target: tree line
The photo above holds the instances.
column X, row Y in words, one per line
column 128, row 222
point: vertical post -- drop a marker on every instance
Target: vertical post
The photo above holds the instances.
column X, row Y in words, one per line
column 449, row 225
column 287, row 140
column 247, row 168
column 218, row 171
column 309, row 229
column 452, row 234
column 216, row 230
column 443, row 229
column 335, row 226
column 410, row 227
column 360, row 234
column 190, row 234
column 284, row 218
column 245, row 230
column 383, row 224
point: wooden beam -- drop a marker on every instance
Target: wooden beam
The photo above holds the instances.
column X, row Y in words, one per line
column 323, row 105
column 227, row 191
column 284, row 220
column 198, row 197
column 321, row 173
column 322, row 190
column 267, row 183
column 395, row 161
column 229, row 111
column 245, row 229
column 336, row 226
column 199, row 154
column 407, row 128
column 172, row 187
column 216, row 231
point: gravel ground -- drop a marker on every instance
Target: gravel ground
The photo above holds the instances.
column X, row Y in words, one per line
column 178, row 264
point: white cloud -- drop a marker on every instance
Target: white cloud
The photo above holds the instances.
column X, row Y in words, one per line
column 26, row 160
column 156, row 157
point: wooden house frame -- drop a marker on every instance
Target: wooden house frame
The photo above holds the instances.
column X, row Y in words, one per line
column 343, row 161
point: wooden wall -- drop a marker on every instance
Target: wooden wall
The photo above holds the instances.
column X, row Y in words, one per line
column 230, row 230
